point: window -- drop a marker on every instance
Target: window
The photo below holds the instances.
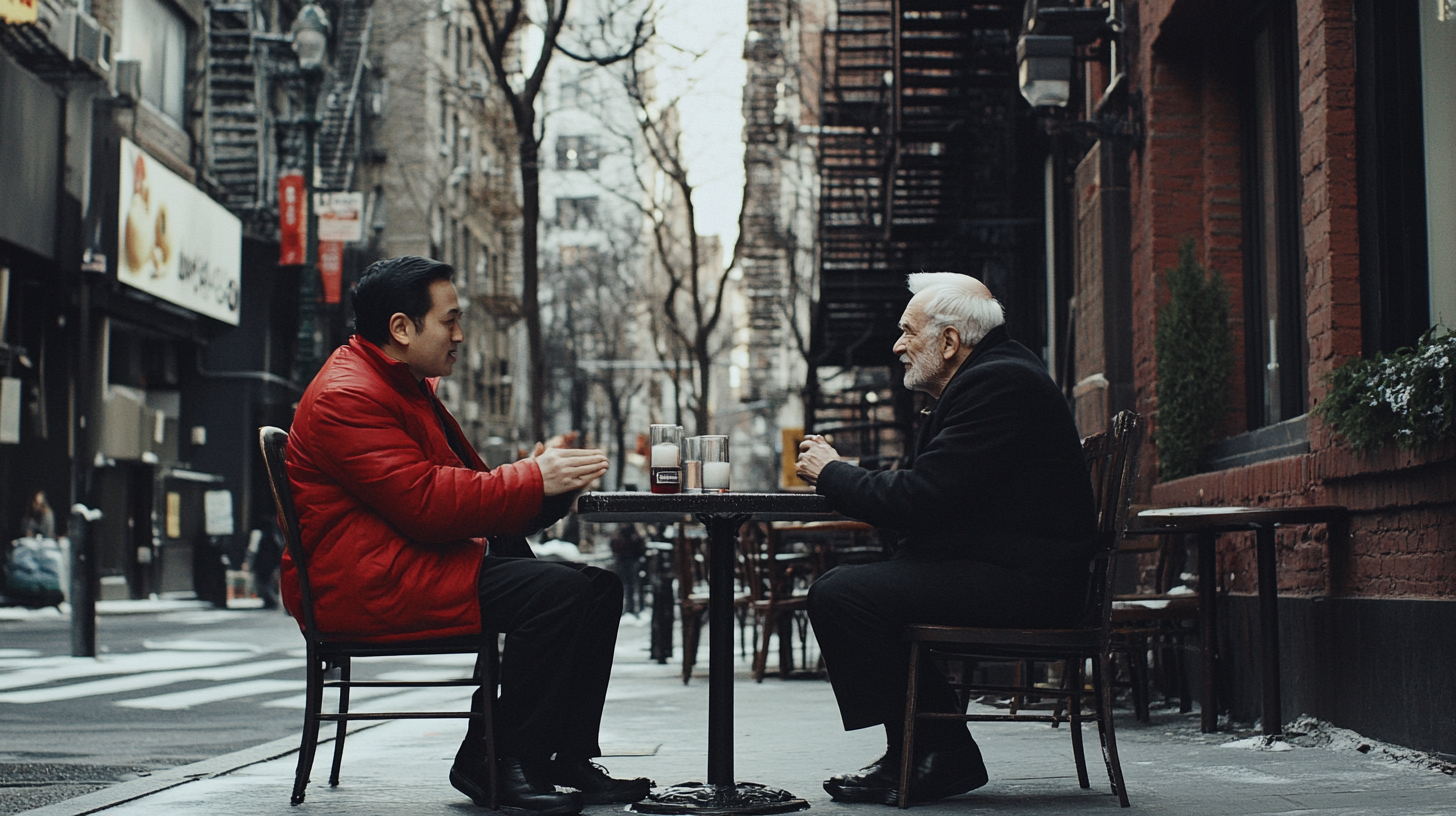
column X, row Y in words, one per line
column 576, row 153
column 1394, row 304
column 156, row 36
column 1275, row 339
column 579, row 257
column 576, row 213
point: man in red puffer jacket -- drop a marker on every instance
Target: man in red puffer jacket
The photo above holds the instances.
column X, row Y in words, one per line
column 411, row 536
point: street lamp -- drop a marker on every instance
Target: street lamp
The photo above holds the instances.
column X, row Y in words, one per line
column 310, row 33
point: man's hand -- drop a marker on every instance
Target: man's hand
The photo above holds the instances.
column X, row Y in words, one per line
column 814, row 454
column 564, row 470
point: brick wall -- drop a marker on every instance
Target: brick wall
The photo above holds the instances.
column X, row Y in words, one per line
column 1186, row 183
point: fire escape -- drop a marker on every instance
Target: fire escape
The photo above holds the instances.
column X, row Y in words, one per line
column 339, row 131
column 234, row 122
column 764, row 256
column 919, row 171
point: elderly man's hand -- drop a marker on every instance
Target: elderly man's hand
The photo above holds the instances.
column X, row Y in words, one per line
column 814, row 454
column 564, row 470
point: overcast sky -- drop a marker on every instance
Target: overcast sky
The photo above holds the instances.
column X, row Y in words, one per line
column 710, row 87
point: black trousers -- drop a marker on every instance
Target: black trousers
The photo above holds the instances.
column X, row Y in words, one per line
column 859, row 612
column 560, row 622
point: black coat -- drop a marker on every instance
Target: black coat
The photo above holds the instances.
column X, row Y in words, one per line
column 998, row 474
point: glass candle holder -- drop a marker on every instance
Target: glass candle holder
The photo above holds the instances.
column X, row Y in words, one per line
column 692, row 465
column 665, row 467
column 715, row 464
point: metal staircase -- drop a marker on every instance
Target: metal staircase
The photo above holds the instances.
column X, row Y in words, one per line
column 339, row 133
column 233, row 122
column 918, row 165
column 764, row 255
column 859, row 297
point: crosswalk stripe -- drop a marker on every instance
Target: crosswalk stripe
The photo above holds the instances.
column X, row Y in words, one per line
column 60, row 669
column 178, row 700
column 133, row 682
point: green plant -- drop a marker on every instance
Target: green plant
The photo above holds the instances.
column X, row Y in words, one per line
column 1408, row 396
column 1194, row 358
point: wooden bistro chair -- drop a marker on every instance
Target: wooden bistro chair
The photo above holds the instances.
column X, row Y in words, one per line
column 690, row 568
column 783, row 605
column 1112, row 464
column 325, row 652
column 1156, row 618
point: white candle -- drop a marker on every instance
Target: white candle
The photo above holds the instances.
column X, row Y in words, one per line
column 664, row 455
column 715, row 475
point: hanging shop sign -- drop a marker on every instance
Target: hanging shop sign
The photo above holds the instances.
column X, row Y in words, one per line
column 340, row 216
column 16, row 12
column 176, row 243
column 331, row 270
column 292, row 240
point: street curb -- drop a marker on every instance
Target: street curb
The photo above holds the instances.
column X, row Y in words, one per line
column 134, row 789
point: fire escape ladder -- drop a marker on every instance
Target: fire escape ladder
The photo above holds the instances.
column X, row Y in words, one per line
column 339, row 128
column 232, row 120
column 857, row 291
column 764, row 257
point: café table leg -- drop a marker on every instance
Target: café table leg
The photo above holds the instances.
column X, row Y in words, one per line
column 1269, row 632
column 721, row 794
column 1208, row 629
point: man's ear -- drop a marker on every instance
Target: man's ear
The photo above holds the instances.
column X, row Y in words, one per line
column 401, row 329
column 950, row 342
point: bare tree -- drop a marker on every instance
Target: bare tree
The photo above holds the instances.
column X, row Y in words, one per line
column 593, row 330
column 502, row 23
column 692, row 300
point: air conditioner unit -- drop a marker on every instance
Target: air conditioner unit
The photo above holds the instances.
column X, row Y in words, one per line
column 128, row 76
column 84, row 40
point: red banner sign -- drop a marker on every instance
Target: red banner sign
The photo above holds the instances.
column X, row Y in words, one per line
column 292, row 220
column 331, row 269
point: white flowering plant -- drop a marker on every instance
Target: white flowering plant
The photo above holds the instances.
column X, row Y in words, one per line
column 1408, row 397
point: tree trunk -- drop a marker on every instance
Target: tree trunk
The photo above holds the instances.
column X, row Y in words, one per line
column 530, row 268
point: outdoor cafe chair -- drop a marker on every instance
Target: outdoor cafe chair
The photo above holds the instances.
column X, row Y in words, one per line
column 1112, row 464
column 325, row 652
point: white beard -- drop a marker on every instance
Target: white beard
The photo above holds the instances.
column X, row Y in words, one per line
column 922, row 371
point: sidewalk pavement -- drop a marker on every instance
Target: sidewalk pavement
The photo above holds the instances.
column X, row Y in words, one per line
column 787, row 735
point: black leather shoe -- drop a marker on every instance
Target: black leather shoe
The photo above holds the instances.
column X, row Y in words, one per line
column 520, row 792
column 597, row 788
column 938, row 774
column 874, row 783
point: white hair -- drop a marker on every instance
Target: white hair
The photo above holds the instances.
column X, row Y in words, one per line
column 954, row 301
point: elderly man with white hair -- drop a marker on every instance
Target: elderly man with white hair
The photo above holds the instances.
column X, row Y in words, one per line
column 995, row 519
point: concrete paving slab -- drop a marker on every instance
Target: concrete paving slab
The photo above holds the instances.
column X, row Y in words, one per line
column 788, row 735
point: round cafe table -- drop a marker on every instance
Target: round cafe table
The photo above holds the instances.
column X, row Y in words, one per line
column 722, row 514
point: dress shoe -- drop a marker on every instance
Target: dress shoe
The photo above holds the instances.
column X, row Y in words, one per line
column 938, row 774
column 597, row 788
column 874, row 783
column 520, row 791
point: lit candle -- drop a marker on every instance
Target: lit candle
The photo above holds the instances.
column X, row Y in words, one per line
column 715, row 475
column 664, row 455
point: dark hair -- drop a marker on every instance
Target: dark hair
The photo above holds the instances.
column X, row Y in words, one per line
column 392, row 286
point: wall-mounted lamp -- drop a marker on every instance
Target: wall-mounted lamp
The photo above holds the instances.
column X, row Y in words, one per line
column 1044, row 69
column 311, row 37
column 1050, row 34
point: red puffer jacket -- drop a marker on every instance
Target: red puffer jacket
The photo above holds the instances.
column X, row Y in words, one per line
column 391, row 520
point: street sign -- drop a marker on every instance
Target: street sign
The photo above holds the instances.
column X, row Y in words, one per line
column 340, row 216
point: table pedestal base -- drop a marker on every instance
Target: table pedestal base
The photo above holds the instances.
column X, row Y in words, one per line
column 711, row 800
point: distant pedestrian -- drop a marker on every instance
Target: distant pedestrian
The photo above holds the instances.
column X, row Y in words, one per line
column 267, row 555
column 39, row 521
column 628, row 550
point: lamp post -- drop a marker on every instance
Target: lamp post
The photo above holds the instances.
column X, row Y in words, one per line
column 310, row 43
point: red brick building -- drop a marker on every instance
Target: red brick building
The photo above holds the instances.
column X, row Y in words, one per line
column 1303, row 146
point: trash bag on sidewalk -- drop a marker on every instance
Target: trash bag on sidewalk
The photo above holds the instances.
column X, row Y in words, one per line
column 33, row 571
